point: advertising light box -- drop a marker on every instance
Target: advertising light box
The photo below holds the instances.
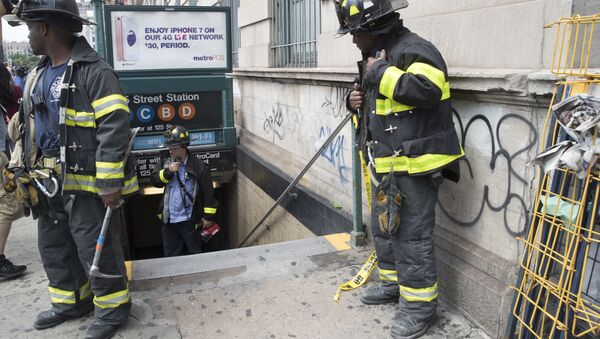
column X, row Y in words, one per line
column 168, row 38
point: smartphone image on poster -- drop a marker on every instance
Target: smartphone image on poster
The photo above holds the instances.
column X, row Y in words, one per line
column 129, row 30
column 119, row 38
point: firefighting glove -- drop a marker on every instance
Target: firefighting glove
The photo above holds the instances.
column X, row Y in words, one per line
column 10, row 178
column 387, row 207
column 17, row 179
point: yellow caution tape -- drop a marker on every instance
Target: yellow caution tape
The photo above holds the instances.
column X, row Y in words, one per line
column 361, row 277
column 355, row 121
column 367, row 178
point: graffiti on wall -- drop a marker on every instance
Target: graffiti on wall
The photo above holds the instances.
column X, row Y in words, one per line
column 499, row 152
column 280, row 121
column 334, row 153
column 273, row 125
column 334, row 104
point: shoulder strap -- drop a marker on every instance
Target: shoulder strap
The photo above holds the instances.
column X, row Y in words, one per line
column 183, row 189
column 64, row 101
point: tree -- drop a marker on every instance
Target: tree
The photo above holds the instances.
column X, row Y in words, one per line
column 20, row 59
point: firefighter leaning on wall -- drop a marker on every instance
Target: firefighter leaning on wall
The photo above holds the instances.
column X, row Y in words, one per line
column 189, row 203
column 407, row 135
column 80, row 139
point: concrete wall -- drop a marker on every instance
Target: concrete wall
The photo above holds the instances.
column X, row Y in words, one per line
column 498, row 54
column 248, row 204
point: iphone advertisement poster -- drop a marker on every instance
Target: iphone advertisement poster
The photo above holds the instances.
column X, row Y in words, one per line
column 168, row 40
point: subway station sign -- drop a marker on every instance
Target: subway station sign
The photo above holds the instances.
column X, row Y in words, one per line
column 166, row 38
column 192, row 110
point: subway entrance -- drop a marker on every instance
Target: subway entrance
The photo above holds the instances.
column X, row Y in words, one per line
column 155, row 51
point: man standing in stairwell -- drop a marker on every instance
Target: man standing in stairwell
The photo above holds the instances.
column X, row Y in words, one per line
column 188, row 204
column 407, row 136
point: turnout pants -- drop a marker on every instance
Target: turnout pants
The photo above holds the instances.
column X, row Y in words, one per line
column 67, row 234
column 406, row 259
column 176, row 235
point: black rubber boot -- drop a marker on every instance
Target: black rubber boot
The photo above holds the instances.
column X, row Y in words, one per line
column 8, row 270
column 411, row 330
column 98, row 330
column 48, row 319
column 377, row 295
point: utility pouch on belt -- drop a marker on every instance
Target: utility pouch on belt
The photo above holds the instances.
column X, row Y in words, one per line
column 388, row 200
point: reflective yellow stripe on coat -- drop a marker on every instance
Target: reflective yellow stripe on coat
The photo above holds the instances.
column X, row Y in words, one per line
column 87, row 183
column 161, row 175
column 390, row 78
column 110, row 170
column 210, row 210
column 108, row 104
column 80, row 119
column 421, row 164
column 130, row 186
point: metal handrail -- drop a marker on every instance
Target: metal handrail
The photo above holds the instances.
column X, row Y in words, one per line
column 298, row 177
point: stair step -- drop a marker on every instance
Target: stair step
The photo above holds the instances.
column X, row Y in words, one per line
column 239, row 257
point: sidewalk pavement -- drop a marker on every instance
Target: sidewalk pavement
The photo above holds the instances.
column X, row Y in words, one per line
column 277, row 299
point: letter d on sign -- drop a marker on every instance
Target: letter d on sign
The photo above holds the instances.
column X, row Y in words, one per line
column 187, row 111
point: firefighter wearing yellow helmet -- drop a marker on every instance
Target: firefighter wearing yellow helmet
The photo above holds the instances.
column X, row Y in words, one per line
column 408, row 138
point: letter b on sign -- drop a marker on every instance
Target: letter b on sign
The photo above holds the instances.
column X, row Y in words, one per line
column 187, row 111
column 166, row 112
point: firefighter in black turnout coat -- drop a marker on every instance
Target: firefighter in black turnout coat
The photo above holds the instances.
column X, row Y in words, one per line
column 74, row 127
column 188, row 203
column 407, row 136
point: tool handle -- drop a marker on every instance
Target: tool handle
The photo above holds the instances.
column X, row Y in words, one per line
column 102, row 237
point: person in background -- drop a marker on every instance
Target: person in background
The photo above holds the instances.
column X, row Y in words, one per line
column 407, row 135
column 10, row 94
column 189, row 199
column 10, row 210
column 19, row 76
column 10, row 97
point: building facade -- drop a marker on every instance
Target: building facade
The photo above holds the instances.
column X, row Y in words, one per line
column 292, row 76
column 15, row 47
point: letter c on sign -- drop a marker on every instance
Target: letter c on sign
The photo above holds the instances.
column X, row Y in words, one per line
column 187, row 111
column 166, row 112
column 145, row 113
